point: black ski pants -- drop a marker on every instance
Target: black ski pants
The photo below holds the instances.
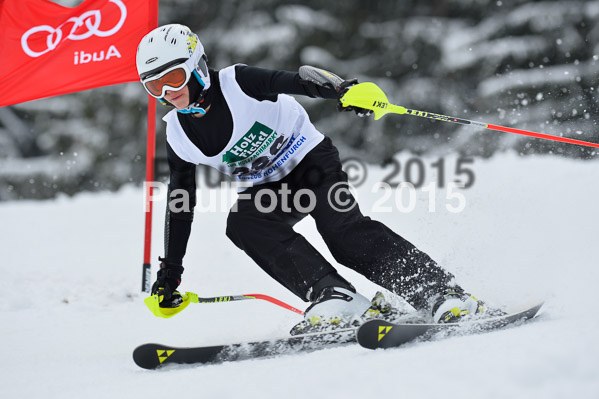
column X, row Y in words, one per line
column 262, row 226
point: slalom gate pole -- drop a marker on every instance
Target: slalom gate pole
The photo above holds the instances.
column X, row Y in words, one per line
column 146, row 275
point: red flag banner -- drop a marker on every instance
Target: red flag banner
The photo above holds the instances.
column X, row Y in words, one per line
column 47, row 49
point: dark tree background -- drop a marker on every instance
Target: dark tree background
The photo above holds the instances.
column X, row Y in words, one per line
column 527, row 64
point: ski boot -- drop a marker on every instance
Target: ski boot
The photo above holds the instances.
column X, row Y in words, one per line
column 334, row 308
column 340, row 314
column 455, row 305
column 380, row 308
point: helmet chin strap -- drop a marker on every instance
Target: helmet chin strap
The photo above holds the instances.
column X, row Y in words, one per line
column 194, row 108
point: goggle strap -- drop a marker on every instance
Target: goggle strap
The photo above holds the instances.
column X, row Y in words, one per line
column 197, row 75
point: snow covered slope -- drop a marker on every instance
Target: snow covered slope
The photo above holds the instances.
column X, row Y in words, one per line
column 72, row 312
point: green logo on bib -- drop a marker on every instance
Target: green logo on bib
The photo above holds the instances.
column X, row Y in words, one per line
column 252, row 144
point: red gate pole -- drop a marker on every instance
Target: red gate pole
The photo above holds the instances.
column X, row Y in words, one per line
column 148, row 192
column 148, row 187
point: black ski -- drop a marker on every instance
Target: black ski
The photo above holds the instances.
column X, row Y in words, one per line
column 376, row 334
column 152, row 356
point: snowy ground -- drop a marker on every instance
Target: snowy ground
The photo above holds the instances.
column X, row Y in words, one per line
column 72, row 311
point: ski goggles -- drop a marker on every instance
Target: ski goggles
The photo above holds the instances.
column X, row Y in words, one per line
column 173, row 78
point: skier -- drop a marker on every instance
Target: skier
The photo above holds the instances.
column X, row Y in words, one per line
column 242, row 121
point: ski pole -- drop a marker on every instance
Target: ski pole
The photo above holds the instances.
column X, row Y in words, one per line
column 231, row 298
column 153, row 302
column 369, row 96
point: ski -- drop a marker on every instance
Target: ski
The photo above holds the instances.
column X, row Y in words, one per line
column 375, row 334
column 372, row 334
column 153, row 356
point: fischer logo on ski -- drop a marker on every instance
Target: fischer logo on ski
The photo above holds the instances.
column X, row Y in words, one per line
column 383, row 330
column 163, row 354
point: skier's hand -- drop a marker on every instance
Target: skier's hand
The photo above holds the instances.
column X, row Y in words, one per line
column 162, row 289
column 168, row 279
column 343, row 88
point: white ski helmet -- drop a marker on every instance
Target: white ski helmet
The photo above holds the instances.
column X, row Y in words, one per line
column 163, row 49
